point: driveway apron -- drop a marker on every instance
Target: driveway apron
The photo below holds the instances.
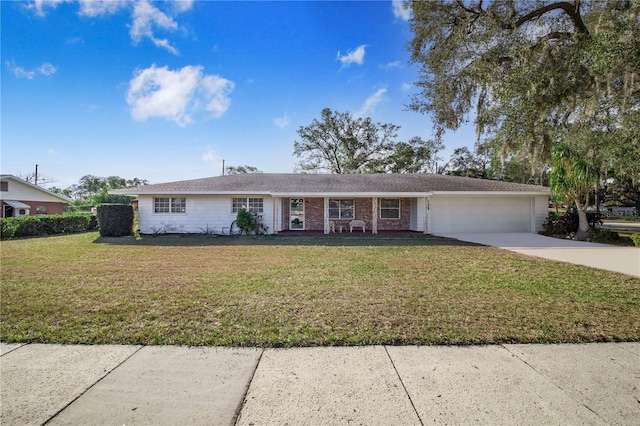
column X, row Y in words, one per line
column 625, row 260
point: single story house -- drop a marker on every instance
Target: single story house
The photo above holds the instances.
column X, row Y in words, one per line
column 21, row 198
column 424, row 203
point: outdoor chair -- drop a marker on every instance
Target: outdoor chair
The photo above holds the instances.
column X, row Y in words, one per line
column 357, row 223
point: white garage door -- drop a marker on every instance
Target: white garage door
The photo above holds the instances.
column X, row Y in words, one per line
column 480, row 214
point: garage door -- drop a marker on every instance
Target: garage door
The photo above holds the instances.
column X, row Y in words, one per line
column 480, row 214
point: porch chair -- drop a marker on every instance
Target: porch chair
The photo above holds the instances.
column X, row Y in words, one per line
column 357, row 223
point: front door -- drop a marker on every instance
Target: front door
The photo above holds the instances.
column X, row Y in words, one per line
column 296, row 214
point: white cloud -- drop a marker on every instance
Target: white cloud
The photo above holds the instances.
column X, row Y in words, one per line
column 353, row 56
column 399, row 11
column 145, row 18
column 405, row 87
column 391, row 65
column 101, row 7
column 174, row 95
column 39, row 6
column 182, row 5
column 282, row 122
column 372, row 102
column 208, row 155
column 215, row 93
column 45, row 69
column 51, row 151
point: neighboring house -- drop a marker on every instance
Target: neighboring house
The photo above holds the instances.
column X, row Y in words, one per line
column 319, row 202
column 21, row 198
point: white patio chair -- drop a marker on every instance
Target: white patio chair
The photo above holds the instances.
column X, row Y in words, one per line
column 357, row 223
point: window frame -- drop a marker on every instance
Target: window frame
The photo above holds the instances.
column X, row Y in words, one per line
column 389, row 209
column 4, row 186
column 173, row 205
column 41, row 210
column 251, row 204
column 341, row 208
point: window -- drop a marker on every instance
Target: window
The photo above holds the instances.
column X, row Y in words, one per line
column 4, row 186
column 389, row 208
column 169, row 205
column 341, row 208
column 254, row 205
column 41, row 210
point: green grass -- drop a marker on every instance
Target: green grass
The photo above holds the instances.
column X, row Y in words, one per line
column 278, row 291
column 621, row 219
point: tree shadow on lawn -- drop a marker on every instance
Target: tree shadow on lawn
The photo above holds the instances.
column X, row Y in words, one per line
column 307, row 239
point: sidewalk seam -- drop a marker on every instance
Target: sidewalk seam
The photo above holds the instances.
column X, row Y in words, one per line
column 238, row 412
column 547, row 378
column 22, row 345
column 403, row 386
column 90, row 387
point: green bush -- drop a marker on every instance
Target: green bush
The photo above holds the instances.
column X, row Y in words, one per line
column 30, row 226
column 603, row 235
column 567, row 223
column 115, row 220
column 8, row 228
column 636, row 238
column 67, row 224
column 245, row 221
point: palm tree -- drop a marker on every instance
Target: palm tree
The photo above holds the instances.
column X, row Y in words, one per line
column 573, row 178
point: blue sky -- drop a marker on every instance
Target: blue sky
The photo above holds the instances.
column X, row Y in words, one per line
column 166, row 91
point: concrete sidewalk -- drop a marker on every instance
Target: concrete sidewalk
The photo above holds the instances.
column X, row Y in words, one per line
column 374, row 385
column 625, row 260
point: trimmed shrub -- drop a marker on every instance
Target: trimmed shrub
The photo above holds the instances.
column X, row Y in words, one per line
column 28, row 226
column 67, row 224
column 8, row 228
column 31, row 226
column 115, row 220
column 636, row 238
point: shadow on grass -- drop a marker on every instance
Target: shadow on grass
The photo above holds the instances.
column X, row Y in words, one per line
column 338, row 240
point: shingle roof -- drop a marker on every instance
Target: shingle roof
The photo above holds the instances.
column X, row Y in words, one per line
column 283, row 183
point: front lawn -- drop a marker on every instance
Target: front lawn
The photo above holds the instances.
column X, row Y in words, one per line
column 302, row 291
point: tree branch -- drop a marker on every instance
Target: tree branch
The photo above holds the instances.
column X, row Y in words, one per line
column 568, row 8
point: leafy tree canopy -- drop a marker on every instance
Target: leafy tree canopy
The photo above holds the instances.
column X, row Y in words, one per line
column 342, row 143
column 238, row 170
column 533, row 73
column 95, row 187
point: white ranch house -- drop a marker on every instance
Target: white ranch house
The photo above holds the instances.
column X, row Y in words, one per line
column 326, row 203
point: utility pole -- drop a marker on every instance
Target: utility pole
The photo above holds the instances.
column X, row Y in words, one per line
column 36, row 175
column 223, row 167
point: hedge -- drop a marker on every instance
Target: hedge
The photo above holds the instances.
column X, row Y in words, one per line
column 30, row 226
column 115, row 220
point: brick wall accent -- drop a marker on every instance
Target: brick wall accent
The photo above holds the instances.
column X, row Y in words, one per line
column 314, row 215
column 402, row 224
column 52, row 207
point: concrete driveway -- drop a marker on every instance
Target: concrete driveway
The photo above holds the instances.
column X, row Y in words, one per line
column 602, row 256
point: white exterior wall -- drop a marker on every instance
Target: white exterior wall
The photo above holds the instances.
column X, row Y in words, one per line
column 418, row 214
column 202, row 211
column 540, row 212
column 482, row 214
column 19, row 191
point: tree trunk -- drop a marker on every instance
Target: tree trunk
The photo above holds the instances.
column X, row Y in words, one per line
column 584, row 231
